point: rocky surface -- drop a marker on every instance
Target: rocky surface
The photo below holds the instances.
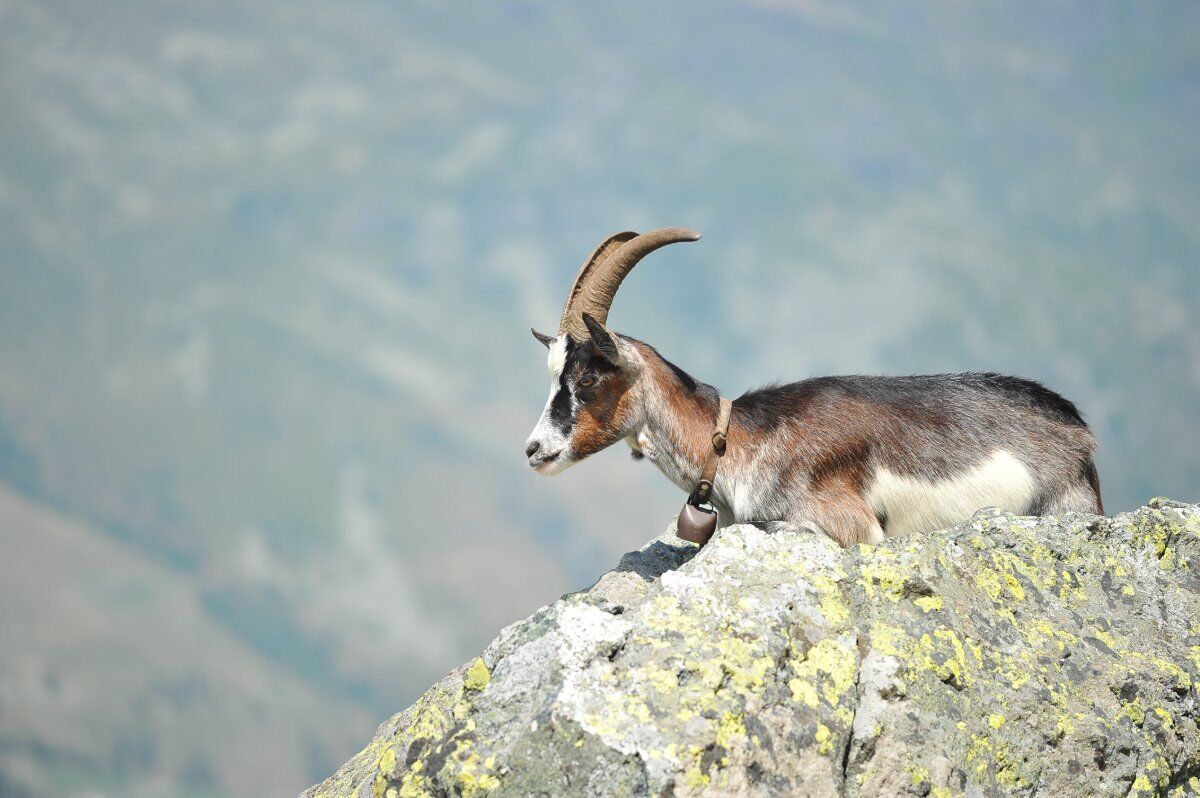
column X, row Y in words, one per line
column 1006, row 656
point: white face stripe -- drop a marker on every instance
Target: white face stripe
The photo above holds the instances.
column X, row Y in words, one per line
column 919, row 505
column 548, row 437
column 556, row 358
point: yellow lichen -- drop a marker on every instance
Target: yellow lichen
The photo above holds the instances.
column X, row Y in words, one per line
column 730, row 729
column 1182, row 677
column 1141, row 784
column 888, row 640
column 824, row 739
column 478, row 676
column 694, row 777
column 803, row 692
column 917, row 774
column 1134, row 710
column 883, row 575
column 828, row 668
column 989, row 580
column 928, row 603
column 1106, row 638
column 387, row 761
column 832, row 603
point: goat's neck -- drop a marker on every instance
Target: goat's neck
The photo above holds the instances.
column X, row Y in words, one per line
column 678, row 417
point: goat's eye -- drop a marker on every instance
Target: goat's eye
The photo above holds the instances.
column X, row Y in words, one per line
column 587, row 382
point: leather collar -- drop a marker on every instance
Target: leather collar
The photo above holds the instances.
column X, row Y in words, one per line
column 703, row 490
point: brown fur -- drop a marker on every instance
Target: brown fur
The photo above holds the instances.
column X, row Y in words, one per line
column 839, row 509
column 693, row 415
column 601, row 420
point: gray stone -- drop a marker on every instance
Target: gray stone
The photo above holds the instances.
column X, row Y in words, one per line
column 1005, row 656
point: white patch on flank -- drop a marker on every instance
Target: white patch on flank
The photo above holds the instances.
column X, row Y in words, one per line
column 912, row 504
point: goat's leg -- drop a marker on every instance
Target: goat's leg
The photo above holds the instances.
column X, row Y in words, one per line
column 1077, row 499
column 1079, row 494
column 838, row 510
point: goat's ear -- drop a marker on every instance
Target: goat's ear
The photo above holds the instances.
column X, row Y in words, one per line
column 547, row 340
column 603, row 339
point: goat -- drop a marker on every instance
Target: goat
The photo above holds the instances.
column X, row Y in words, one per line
column 858, row 457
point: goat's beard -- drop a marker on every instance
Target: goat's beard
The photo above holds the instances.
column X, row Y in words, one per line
column 556, row 466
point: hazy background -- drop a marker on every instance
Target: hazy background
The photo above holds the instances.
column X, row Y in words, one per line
column 267, row 272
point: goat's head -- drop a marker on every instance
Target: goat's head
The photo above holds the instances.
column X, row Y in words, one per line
column 595, row 375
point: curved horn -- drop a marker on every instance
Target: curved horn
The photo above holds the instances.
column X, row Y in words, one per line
column 607, row 247
column 598, row 280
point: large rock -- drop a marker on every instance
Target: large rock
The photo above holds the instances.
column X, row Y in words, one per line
column 1006, row 656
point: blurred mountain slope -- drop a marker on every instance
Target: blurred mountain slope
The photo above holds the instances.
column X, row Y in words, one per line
column 112, row 675
column 266, row 272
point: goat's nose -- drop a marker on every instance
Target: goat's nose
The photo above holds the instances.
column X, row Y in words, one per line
column 532, row 448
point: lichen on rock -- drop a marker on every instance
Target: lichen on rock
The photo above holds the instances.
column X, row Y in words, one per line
column 1004, row 656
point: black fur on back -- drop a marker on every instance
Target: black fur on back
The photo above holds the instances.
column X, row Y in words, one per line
column 1050, row 403
column 767, row 407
